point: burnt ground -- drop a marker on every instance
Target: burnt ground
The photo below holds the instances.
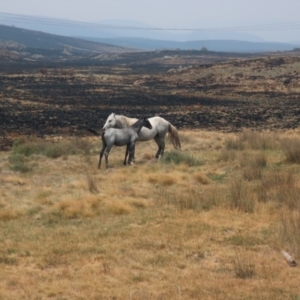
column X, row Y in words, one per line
column 195, row 91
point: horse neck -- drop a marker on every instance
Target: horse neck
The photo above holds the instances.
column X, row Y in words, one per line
column 123, row 122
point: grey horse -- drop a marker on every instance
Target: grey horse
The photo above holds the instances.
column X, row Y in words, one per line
column 121, row 137
column 160, row 128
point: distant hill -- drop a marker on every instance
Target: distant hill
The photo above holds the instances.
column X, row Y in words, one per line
column 212, row 45
column 119, row 28
column 36, row 39
column 118, row 36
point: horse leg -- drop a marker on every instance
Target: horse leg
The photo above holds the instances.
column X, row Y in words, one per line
column 131, row 154
column 108, row 148
column 161, row 146
column 101, row 154
column 131, row 158
column 126, row 154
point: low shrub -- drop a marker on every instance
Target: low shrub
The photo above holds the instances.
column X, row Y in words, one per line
column 178, row 157
column 27, row 146
column 18, row 164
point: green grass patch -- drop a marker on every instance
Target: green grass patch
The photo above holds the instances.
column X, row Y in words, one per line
column 28, row 146
column 18, row 163
column 178, row 157
column 217, row 177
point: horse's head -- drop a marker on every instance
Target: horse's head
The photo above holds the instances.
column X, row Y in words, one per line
column 111, row 121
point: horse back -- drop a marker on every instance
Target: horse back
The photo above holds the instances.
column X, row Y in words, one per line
column 159, row 128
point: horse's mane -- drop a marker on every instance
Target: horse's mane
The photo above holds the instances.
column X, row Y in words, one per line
column 123, row 121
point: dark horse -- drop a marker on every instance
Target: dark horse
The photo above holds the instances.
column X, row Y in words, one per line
column 121, row 137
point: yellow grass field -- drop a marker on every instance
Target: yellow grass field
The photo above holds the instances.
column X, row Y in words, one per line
column 208, row 222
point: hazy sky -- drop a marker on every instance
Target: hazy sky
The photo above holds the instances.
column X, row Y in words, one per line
column 174, row 13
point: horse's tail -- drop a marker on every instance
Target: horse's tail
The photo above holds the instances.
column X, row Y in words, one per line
column 174, row 136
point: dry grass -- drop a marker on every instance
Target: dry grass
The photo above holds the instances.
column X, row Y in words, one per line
column 292, row 149
column 207, row 224
column 244, row 266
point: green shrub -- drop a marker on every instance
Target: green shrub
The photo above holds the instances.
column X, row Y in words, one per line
column 29, row 146
column 177, row 157
column 18, row 164
column 56, row 150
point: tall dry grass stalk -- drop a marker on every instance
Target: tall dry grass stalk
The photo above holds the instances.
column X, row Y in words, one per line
column 253, row 165
column 280, row 187
column 253, row 140
column 240, row 196
column 259, row 140
column 291, row 147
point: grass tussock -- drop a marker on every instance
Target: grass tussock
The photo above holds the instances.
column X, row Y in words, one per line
column 291, row 147
column 240, row 197
column 120, row 208
column 201, row 178
column 88, row 206
column 162, row 179
column 253, row 166
column 244, row 267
